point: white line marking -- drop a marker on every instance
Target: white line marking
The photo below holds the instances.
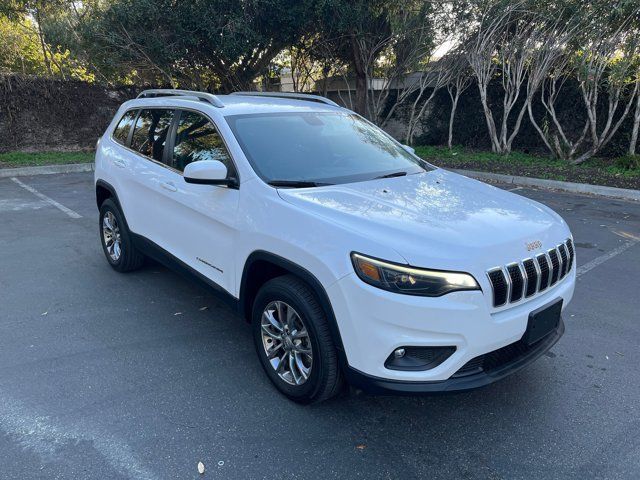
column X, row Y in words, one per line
column 603, row 258
column 50, row 201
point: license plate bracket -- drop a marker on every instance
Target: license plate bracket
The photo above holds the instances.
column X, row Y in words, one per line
column 542, row 322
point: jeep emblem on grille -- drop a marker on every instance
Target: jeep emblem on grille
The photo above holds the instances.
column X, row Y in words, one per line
column 533, row 245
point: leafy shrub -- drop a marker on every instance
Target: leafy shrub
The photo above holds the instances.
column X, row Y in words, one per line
column 628, row 162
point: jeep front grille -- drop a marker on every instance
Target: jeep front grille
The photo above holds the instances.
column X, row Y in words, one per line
column 518, row 280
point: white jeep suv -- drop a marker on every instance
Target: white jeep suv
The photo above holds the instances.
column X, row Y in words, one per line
column 351, row 257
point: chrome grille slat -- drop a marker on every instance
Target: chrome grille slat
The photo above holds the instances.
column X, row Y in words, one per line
column 555, row 266
column 499, row 286
column 518, row 281
column 544, row 266
column 508, row 280
column 561, row 267
column 572, row 252
column 539, row 276
column 532, row 277
column 565, row 259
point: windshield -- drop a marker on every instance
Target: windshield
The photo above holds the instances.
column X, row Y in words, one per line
column 319, row 148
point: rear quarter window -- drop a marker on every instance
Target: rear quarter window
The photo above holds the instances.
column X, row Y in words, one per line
column 121, row 132
column 151, row 131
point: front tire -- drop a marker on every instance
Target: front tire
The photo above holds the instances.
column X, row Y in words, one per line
column 116, row 240
column 293, row 341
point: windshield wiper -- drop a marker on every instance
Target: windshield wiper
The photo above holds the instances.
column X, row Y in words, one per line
column 391, row 175
column 296, row 183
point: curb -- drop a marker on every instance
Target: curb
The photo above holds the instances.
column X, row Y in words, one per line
column 46, row 170
column 611, row 192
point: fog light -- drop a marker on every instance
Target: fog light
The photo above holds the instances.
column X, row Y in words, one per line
column 398, row 352
column 418, row 358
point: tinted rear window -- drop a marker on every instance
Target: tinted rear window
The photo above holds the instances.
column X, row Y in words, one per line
column 151, row 131
column 121, row 133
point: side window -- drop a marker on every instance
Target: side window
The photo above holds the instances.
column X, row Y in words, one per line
column 150, row 132
column 121, row 132
column 197, row 139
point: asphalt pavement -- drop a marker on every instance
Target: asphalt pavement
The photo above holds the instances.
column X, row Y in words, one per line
column 143, row 375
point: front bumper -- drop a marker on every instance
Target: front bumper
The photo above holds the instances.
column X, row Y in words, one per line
column 373, row 323
column 517, row 360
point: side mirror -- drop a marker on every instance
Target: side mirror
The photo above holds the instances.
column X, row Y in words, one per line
column 208, row 172
column 409, row 149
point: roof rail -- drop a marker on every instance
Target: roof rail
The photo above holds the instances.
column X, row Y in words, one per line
column 169, row 92
column 297, row 96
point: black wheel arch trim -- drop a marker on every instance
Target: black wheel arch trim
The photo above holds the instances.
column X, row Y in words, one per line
column 111, row 189
column 303, row 274
column 114, row 196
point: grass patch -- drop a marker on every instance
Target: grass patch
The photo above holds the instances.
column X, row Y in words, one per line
column 462, row 155
column 23, row 159
column 622, row 172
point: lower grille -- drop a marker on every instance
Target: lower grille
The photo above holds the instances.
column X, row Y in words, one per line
column 472, row 366
column 496, row 359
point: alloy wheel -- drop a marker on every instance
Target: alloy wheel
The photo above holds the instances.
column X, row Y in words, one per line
column 286, row 342
column 111, row 236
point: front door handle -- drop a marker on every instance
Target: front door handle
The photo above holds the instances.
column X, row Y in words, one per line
column 169, row 186
column 119, row 163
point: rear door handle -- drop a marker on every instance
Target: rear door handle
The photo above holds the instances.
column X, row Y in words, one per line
column 169, row 186
column 119, row 163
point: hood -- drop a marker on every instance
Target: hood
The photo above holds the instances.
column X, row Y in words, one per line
column 437, row 219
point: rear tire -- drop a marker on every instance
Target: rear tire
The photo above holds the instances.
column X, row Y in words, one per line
column 116, row 239
column 304, row 361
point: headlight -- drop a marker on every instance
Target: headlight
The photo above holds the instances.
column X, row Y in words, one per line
column 409, row 280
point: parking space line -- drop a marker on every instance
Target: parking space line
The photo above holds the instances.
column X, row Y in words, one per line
column 50, row 201
column 603, row 258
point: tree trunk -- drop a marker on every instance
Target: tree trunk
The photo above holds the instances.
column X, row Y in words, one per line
column 539, row 130
column 361, row 94
column 584, row 157
column 43, row 46
column 636, row 125
column 452, row 115
column 454, row 106
column 488, row 116
column 360, row 70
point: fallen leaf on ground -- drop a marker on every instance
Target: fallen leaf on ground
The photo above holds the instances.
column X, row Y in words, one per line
column 203, row 308
column 177, row 313
column 43, row 314
column 361, row 447
column 200, row 468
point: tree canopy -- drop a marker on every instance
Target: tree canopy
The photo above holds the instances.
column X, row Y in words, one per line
column 387, row 55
